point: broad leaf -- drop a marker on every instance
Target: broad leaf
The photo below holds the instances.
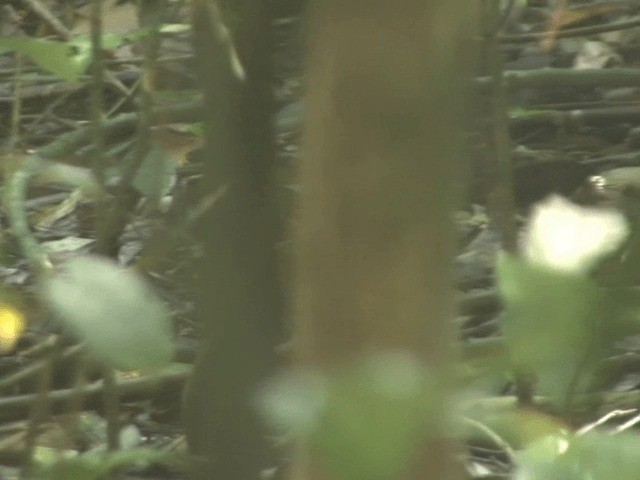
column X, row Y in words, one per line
column 553, row 322
column 114, row 311
column 592, row 456
column 59, row 58
column 375, row 417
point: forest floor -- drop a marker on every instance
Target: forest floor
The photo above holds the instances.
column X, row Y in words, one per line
column 573, row 117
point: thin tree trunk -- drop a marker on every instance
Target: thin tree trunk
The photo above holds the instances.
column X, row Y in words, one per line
column 241, row 298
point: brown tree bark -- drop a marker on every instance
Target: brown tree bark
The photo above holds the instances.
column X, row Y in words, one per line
column 373, row 232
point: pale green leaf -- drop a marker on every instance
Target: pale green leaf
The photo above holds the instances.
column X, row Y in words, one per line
column 114, row 311
column 553, row 322
column 59, row 58
column 156, row 175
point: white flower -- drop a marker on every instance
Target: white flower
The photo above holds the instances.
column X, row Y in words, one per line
column 567, row 237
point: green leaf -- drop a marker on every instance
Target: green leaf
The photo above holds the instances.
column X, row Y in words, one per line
column 553, row 322
column 602, row 456
column 545, row 459
column 59, row 58
column 122, row 321
column 99, row 465
column 376, row 415
column 594, row 456
column 68, row 60
column 110, row 41
column 175, row 28
column 294, row 401
column 365, row 421
column 156, row 175
column 196, row 128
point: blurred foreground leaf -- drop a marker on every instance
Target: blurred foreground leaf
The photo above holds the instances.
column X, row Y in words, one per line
column 114, row 311
column 593, row 456
column 553, row 323
column 368, row 418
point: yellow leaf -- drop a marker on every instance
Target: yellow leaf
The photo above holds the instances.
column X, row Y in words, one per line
column 12, row 324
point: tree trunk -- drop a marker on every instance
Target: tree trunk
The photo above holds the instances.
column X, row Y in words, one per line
column 373, row 232
column 241, row 298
